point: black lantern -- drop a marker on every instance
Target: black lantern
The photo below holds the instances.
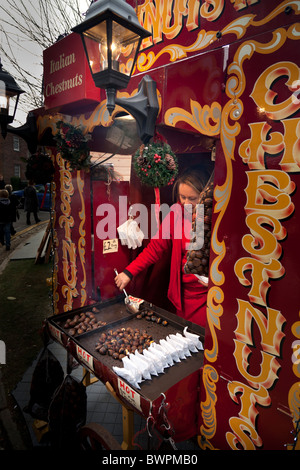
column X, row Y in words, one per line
column 9, row 97
column 112, row 36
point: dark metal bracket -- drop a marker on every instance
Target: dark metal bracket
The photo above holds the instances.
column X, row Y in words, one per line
column 144, row 107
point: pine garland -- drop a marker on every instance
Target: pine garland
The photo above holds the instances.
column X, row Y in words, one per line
column 156, row 164
column 73, row 145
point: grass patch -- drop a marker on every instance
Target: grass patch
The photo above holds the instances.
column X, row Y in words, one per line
column 21, row 318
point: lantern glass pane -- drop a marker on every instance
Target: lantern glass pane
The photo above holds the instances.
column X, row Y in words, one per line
column 123, row 48
column 12, row 105
column 7, row 100
column 4, row 100
column 96, row 45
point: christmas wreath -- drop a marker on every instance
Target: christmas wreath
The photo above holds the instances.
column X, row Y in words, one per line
column 39, row 168
column 73, row 145
column 156, row 164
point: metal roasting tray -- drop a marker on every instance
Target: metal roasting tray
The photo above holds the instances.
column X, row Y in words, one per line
column 114, row 313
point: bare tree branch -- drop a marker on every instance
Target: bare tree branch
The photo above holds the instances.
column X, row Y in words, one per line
column 27, row 27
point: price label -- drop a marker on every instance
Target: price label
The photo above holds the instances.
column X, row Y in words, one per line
column 136, row 300
column 110, row 246
column 55, row 332
column 129, row 394
column 85, row 357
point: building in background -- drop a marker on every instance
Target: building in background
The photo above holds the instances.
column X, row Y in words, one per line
column 12, row 167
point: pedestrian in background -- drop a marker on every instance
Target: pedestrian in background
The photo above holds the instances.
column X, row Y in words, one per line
column 14, row 202
column 2, row 182
column 6, row 214
column 31, row 203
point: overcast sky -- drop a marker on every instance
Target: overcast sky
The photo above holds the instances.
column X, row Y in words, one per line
column 29, row 56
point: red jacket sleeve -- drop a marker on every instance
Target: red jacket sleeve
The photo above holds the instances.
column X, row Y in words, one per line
column 158, row 245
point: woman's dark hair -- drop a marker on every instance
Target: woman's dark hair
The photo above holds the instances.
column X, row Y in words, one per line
column 194, row 176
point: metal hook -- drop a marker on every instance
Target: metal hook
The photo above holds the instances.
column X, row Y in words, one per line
column 150, row 417
column 167, row 426
column 162, row 402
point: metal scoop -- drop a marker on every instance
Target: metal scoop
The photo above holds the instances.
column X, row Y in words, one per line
column 131, row 306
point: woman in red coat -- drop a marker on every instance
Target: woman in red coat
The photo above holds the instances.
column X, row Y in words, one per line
column 185, row 291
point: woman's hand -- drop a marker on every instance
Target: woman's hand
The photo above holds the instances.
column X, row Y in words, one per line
column 122, row 280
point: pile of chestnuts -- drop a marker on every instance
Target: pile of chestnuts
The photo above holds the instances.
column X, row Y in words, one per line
column 198, row 260
column 120, row 342
column 80, row 323
column 149, row 315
